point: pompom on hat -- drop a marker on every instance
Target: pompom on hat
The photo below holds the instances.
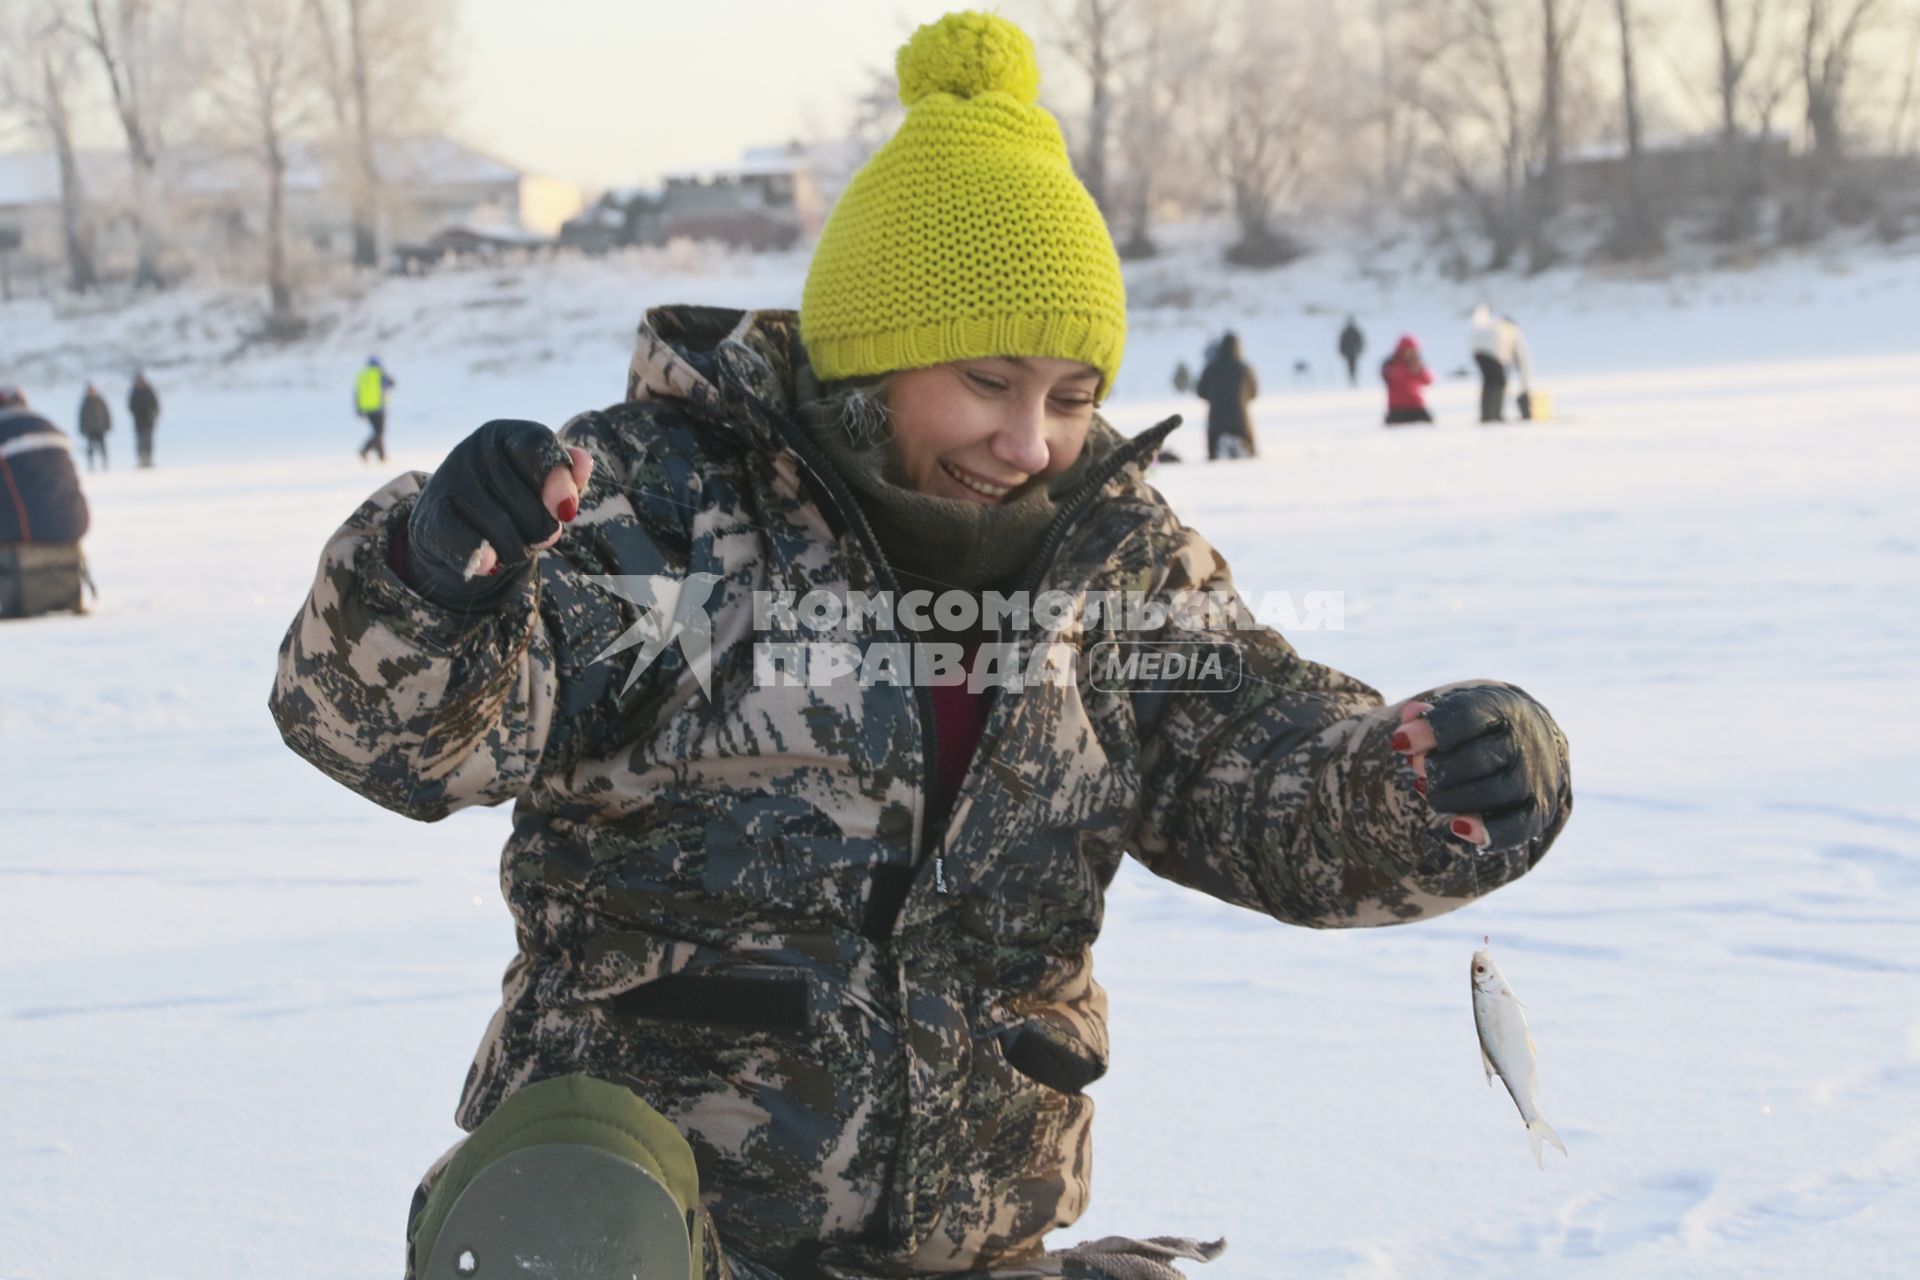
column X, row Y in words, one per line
column 967, row 234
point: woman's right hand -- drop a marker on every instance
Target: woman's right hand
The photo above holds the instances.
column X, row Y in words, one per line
column 502, row 494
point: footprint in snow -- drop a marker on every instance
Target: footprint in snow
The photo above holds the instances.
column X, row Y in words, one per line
column 1599, row 1224
column 1830, row 1197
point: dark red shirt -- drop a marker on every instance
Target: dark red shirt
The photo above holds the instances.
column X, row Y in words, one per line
column 958, row 717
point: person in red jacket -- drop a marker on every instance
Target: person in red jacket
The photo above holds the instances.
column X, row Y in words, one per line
column 1407, row 378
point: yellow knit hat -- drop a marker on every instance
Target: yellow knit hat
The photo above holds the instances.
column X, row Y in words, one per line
column 967, row 234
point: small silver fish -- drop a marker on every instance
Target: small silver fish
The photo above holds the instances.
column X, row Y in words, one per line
column 1506, row 1047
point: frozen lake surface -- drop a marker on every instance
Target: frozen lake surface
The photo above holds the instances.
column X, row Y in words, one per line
column 237, row 1001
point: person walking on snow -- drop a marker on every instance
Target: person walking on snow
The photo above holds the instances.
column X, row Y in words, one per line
column 1499, row 345
column 1407, row 378
column 95, row 422
column 1352, row 343
column 143, row 403
column 370, row 402
column 1228, row 386
column 804, row 983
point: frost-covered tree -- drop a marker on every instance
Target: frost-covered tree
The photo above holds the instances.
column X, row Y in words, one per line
column 1636, row 231
column 263, row 93
column 39, row 84
column 382, row 64
column 144, row 51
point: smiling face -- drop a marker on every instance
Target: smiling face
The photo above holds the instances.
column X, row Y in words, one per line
column 976, row 430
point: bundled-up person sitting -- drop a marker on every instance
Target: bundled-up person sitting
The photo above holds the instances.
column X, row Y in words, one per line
column 43, row 514
column 1407, row 378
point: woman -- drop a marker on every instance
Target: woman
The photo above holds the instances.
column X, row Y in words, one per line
column 804, row 976
column 1227, row 385
column 1407, row 378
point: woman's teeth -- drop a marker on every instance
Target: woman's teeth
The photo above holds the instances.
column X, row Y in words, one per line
column 976, row 484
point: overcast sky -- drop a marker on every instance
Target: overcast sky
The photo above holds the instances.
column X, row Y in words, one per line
column 617, row 91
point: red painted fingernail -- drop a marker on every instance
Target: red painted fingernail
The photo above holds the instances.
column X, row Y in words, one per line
column 569, row 508
column 493, row 571
column 1401, row 741
column 1461, row 827
column 1420, row 785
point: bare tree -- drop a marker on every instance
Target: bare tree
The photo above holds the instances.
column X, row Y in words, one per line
column 1553, row 51
column 1771, row 82
column 1559, row 28
column 1173, row 56
column 264, row 90
column 1832, row 32
column 1737, row 28
column 1559, row 24
column 1635, row 232
column 1262, row 125
column 130, row 47
column 1394, row 52
column 1090, row 34
column 1391, row 99
column 1508, row 117
column 38, row 83
column 1479, row 121
column 343, row 59
column 1900, row 141
column 381, row 61
column 877, row 113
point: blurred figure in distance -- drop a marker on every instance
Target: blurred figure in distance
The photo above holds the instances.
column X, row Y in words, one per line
column 1407, row 378
column 1352, row 343
column 370, row 402
column 1227, row 385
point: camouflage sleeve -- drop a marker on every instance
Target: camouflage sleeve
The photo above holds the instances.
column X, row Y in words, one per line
column 1283, row 793
column 426, row 710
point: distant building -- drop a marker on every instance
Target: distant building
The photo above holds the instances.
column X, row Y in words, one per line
column 620, row 217
column 1676, row 170
column 773, row 198
column 214, row 200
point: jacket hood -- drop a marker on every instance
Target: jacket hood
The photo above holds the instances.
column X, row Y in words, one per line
column 1407, row 344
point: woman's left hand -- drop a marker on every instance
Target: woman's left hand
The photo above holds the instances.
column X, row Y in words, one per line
column 1490, row 756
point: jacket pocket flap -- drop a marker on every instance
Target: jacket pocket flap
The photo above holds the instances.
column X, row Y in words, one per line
column 770, row 1002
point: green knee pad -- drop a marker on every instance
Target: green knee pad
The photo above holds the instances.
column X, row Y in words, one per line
column 575, row 1175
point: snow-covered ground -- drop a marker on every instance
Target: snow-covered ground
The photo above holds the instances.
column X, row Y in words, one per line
column 237, row 1002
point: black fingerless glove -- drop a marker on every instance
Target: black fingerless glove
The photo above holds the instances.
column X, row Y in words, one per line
column 488, row 488
column 1498, row 754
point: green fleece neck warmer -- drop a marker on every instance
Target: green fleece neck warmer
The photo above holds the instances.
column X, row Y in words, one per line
column 945, row 540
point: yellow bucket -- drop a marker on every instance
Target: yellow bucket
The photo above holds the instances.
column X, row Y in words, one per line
column 1539, row 406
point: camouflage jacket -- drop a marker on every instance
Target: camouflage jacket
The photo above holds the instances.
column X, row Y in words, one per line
column 875, row 1037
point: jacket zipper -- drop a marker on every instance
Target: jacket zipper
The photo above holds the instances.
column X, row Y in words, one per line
column 1147, row 442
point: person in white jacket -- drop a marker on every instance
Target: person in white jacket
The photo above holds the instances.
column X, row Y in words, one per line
column 1499, row 345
